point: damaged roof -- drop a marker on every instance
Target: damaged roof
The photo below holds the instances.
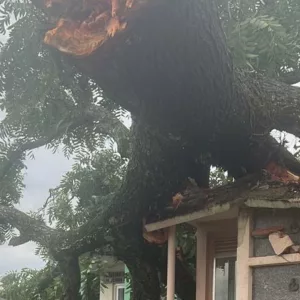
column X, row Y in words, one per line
column 257, row 190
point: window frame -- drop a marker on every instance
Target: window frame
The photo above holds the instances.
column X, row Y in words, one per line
column 225, row 230
column 216, row 256
column 118, row 287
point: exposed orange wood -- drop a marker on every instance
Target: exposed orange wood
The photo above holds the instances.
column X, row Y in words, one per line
column 281, row 174
column 82, row 36
column 176, row 200
column 158, row 237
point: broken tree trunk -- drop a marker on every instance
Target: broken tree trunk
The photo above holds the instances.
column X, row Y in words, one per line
column 171, row 68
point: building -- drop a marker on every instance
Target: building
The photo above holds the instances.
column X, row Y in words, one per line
column 248, row 241
column 116, row 287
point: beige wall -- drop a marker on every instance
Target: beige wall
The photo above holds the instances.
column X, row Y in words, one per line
column 107, row 294
column 111, row 265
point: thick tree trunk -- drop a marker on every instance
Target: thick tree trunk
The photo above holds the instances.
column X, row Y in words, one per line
column 145, row 283
column 69, row 266
column 185, row 285
column 156, row 171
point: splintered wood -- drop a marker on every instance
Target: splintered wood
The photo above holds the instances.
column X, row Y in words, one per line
column 281, row 174
column 83, row 29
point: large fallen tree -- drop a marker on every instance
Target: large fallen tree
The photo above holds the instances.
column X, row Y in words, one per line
column 167, row 63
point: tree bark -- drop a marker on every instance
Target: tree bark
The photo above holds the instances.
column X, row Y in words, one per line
column 185, row 285
column 275, row 105
column 169, row 76
column 69, row 266
column 30, row 229
column 144, row 280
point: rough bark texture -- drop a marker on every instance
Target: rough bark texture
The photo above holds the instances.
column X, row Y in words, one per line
column 69, row 266
column 30, row 229
column 145, row 282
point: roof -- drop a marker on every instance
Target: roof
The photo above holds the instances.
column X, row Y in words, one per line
column 256, row 190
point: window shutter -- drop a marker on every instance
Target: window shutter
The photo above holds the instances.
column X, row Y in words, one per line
column 223, row 245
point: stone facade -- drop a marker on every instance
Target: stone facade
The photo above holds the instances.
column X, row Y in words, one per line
column 276, row 282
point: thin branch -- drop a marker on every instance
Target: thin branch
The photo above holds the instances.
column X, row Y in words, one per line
column 107, row 124
column 15, row 155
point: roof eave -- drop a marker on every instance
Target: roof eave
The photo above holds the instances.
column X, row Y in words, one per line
column 221, row 210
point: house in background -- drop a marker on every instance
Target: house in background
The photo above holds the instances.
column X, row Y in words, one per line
column 248, row 241
column 116, row 285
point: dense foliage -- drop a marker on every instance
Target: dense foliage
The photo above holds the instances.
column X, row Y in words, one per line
column 46, row 284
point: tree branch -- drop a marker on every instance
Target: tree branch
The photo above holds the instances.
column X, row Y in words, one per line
column 30, row 229
column 291, row 77
column 103, row 120
column 273, row 105
column 56, row 242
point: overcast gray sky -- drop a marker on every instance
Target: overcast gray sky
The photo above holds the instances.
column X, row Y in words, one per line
column 43, row 173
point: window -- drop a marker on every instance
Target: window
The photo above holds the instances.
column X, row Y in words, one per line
column 119, row 292
column 221, row 260
column 224, row 277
